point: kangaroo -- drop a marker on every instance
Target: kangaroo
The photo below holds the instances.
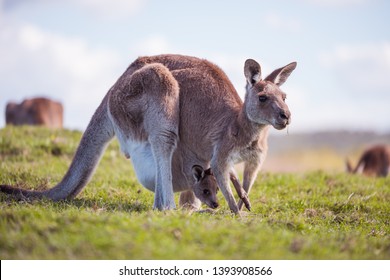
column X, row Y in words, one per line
column 192, row 198
column 374, row 161
column 172, row 102
column 188, row 199
column 213, row 123
column 35, row 111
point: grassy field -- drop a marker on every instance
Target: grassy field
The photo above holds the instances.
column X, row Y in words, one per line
column 306, row 215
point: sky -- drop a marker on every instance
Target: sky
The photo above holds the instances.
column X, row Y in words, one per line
column 73, row 52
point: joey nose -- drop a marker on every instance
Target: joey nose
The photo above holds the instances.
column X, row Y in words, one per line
column 215, row 204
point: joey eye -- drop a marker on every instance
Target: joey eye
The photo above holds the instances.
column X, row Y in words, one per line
column 263, row 98
column 206, row 192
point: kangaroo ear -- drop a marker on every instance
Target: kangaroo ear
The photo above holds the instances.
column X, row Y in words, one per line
column 252, row 71
column 279, row 76
column 197, row 172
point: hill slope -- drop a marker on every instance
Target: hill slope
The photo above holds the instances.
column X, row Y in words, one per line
column 325, row 150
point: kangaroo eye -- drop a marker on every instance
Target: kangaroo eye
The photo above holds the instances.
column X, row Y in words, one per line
column 206, row 192
column 263, row 98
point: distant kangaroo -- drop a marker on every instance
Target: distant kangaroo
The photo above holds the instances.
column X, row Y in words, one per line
column 168, row 103
column 375, row 161
column 35, row 111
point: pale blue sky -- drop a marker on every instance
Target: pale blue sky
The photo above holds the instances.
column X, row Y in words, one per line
column 73, row 51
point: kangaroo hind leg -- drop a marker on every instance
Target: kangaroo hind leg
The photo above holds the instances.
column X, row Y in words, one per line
column 163, row 146
column 161, row 123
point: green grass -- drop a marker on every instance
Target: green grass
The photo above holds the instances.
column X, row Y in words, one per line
column 312, row 215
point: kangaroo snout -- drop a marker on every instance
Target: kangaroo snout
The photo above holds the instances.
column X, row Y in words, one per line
column 214, row 205
column 284, row 115
column 284, row 118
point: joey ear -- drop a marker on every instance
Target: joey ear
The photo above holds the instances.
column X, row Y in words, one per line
column 279, row 76
column 252, row 71
column 197, row 172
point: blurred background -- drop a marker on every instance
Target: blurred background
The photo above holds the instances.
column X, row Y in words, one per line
column 73, row 51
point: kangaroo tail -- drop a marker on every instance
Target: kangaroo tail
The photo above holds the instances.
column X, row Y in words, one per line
column 20, row 193
column 348, row 166
column 92, row 145
column 360, row 166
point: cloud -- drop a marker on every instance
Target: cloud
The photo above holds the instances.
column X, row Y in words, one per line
column 103, row 8
column 360, row 77
column 337, row 3
column 282, row 23
column 362, row 68
column 333, row 111
column 152, row 45
column 117, row 8
column 36, row 62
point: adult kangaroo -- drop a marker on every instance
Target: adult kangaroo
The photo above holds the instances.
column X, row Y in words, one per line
column 169, row 104
column 374, row 161
column 212, row 123
column 35, row 111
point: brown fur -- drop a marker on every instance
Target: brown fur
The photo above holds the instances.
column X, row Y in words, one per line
column 214, row 124
column 35, row 111
column 374, row 161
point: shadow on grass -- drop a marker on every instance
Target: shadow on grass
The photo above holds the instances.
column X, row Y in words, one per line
column 86, row 204
column 108, row 205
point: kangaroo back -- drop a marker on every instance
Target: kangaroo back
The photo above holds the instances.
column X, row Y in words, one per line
column 375, row 161
column 92, row 145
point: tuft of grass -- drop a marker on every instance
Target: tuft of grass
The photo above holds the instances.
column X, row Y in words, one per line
column 310, row 215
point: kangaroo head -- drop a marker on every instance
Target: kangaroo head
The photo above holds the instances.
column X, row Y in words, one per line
column 264, row 101
column 205, row 187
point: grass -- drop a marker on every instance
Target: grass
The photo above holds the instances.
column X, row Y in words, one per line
column 312, row 215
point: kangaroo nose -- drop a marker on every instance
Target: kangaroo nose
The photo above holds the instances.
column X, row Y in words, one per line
column 215, row 204
column 284, row 115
